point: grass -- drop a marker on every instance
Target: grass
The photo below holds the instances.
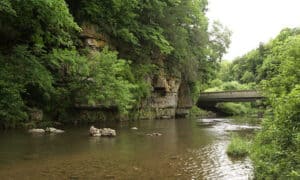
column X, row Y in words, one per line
column 239, row 147
column 196, row 112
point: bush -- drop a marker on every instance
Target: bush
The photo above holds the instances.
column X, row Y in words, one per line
column 198, row 112
column 276, row 150
column 238, row 147
column 234, row 108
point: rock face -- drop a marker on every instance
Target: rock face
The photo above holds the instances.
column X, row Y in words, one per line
column 170, row 97
column 185, row 102
column 95, row 132
column 91, row 37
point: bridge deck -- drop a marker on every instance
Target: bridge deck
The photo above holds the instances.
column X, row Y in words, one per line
column 230, row 96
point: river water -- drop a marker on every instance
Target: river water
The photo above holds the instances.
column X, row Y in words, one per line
column 186, row 149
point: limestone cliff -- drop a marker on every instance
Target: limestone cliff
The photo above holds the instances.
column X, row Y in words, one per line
column 170, row 95
column 170, row 98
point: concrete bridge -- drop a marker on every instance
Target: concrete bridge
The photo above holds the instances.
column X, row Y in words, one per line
column 207, row 100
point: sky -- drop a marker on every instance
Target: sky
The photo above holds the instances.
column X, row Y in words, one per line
column 253, row 21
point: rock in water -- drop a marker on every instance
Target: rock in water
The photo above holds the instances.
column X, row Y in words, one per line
column 96, row 135
column 134, row 128
column 36, row 130
column 54, row 130
column 108, row 132
column 59, row 131
column 154, row 134
column 102, row 132
column 93, row 131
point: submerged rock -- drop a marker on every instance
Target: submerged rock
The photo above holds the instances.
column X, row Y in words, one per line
column 134, row 128
column 154, row 134
column 36, row 131
column 54, row 130
column 102, row 132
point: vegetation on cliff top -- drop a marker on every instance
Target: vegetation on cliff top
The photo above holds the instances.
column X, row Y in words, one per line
column 44, row 64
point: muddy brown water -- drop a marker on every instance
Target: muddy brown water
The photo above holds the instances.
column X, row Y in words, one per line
column 186, row 150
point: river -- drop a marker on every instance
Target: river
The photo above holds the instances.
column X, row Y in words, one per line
column 185, row 150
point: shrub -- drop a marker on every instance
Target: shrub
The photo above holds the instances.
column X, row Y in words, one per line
column 276, row 150
column 238, row 147
column 198, row 112
column 233, row 108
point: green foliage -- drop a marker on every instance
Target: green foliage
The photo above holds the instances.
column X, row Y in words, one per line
column 127, row 21
column 224, row 71
column 234, row 108
column 218, row 85
column 109, row 81
column 45, row 67
column 17, row 88
column 95, row 78
column 196, row 112
column 276, row 151
column 274, row 68
column 5, row 7
column 279, row 142
column 264, row 62
column 28, row 32
column 238, row 147
column 44, row 23
column 174, row 31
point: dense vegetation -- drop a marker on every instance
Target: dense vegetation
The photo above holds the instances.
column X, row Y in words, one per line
column 274, row 68
column 278, row 143
column 239, row 147
column 45, row 65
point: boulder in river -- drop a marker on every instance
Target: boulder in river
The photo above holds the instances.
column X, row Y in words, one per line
column 102, row 132
column 54, row 130
column 94, row 131
column 108, row 132
column 36, row 130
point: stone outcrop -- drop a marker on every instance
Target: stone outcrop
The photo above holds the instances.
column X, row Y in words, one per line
column 92, row 38
column 185, row 102
column 170, row 95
